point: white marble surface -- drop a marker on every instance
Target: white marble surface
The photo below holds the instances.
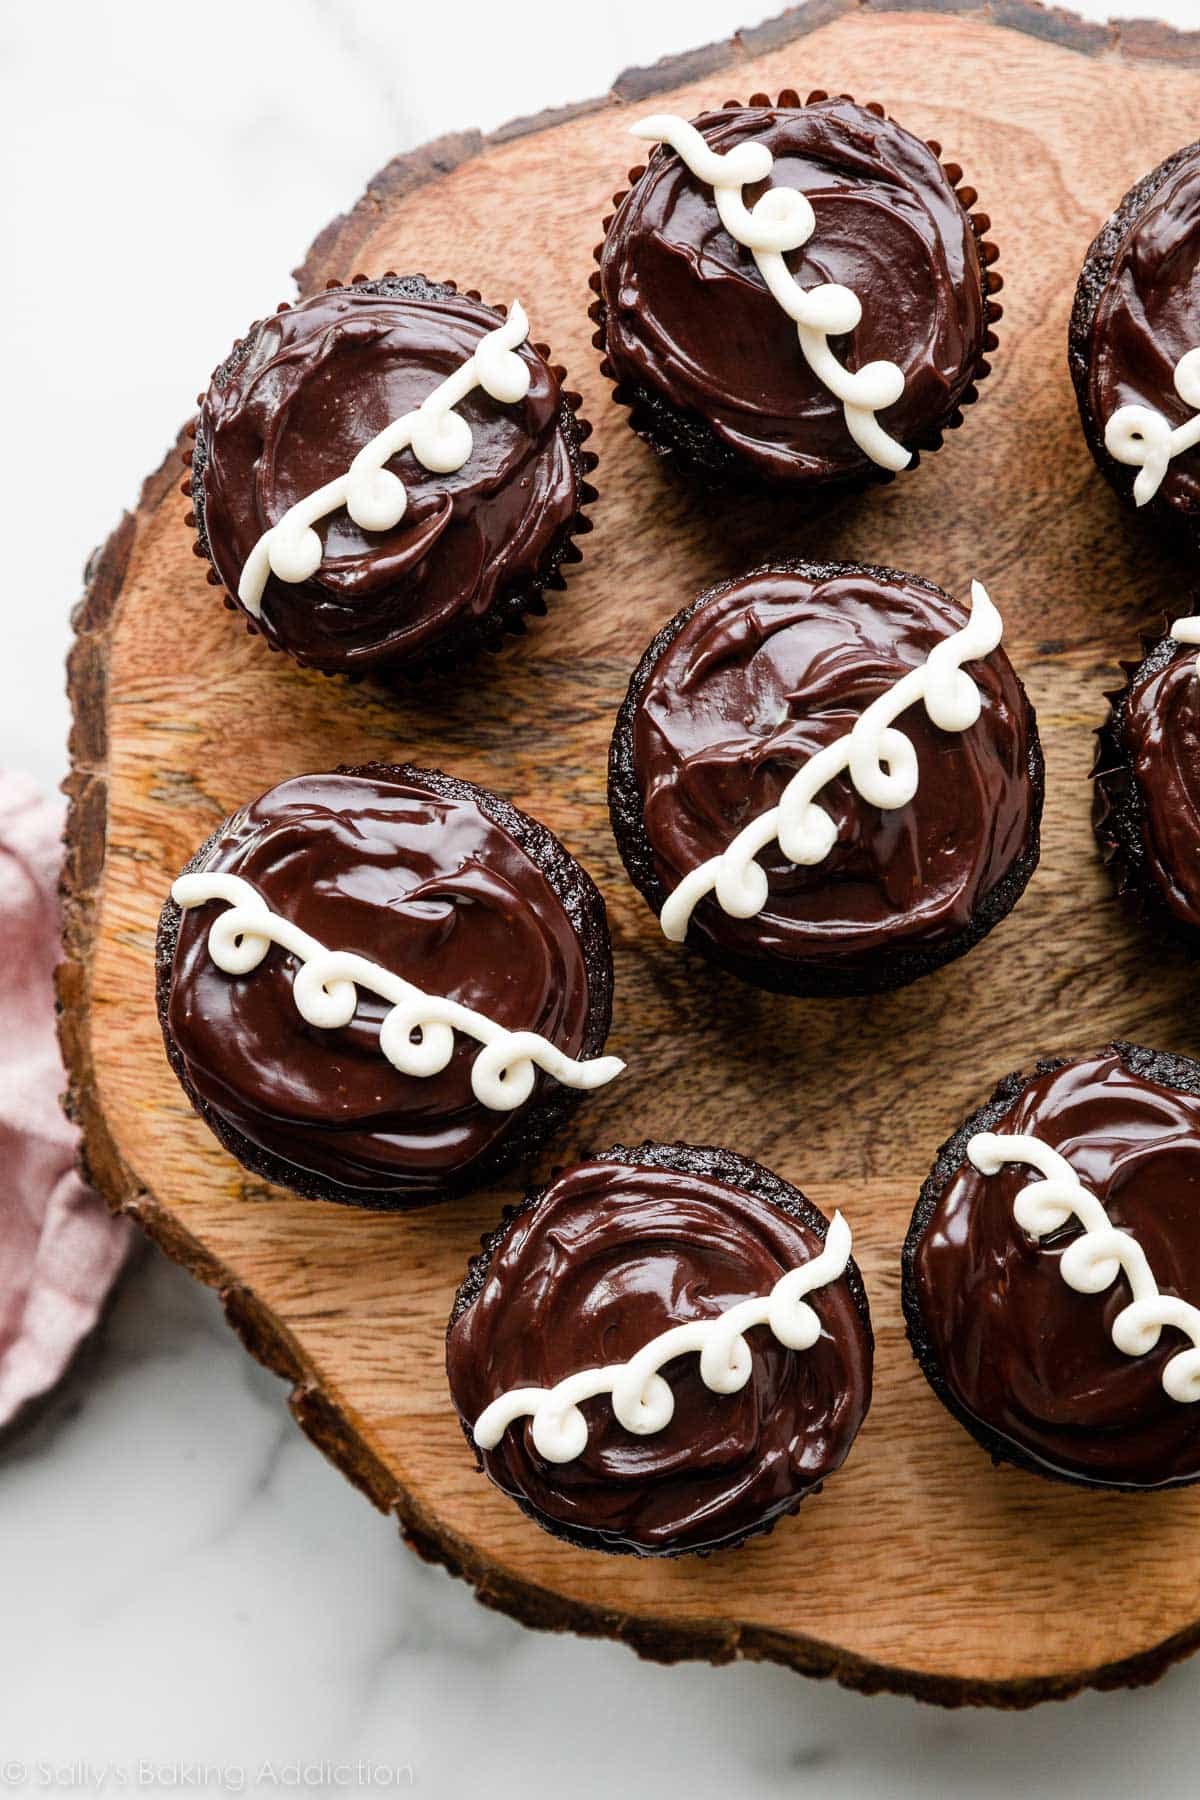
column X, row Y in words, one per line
column 185, row 1584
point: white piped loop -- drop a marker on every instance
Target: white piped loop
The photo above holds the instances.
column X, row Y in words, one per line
column 561, row 1436
column 880, row 760
column 780, row 221
column 1091, row 1262
column 376, row 499
column 1181, row 1377
column 642, row 1401
column 417, row 1033
column 236, row 941
column 742, row 889
column 726, row 1361
column 300, row 559
column 324, row 992
column 883, row 767
column 1138, row 1326
column 1141, row 439
column 1144, row 439
column 504, row 1070
column 501, row 373
column 1038, row 1210
column 790, row 1317
column 807, row 834
column 413, row 1042
column 374, row 495
column 442, row 441
column 834, row 311
column 952, row 699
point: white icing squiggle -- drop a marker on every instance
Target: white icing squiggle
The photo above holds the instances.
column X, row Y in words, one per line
column 375, row 498
column 325, row 989
column 1187, row 631
column 782, row 220
column 642, row 1401
column 881, row 763
column 1091, row 1262
column 1144, row 440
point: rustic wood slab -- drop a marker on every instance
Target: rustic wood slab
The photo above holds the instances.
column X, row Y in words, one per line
column 921, row 1569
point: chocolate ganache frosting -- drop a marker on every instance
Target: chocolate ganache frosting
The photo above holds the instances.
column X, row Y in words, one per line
column 437, row 881
column 1138, row 314
column 748, row 684
column 1026, row 1361
column 1160, row 731
column 611, row 1254
column 299, row 398
column 686, row 315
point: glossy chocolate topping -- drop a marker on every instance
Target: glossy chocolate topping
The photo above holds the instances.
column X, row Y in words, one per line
column 1024, row 1354
column 1147, row 316
column 687, row 314
column 767, row 671
column 412, row 873
column 608, row 1258
column 294, row 405
column 1161, row 731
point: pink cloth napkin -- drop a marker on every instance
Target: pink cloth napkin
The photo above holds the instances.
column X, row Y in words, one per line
column 60, row 1249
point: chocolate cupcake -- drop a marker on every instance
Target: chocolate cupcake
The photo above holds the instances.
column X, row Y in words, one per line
column 794, row 296
column 1052, row 1271
column 663, row 1351
column 1134, row 344
column 826, row 777
column 388, row 474
column 1146, row 807
column 384, row 985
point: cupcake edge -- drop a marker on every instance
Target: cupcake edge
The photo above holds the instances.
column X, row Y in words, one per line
column 1117, row 807
column 886, row 969
column 1180, row 1073
column 1090, row 286
column 507, row 614
column 685, row 440
column 705, row 1160
column 584, row 906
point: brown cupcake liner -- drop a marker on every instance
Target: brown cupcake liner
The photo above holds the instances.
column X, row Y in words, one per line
column 1117, row 810
column 507, row 615
column 712, row 461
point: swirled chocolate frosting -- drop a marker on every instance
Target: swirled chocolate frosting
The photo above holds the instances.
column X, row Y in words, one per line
column 1161, row 735
column 766, row 671
column 688, row 316
column 613, row 1253
column 1029, row 1359
column 297, row 401
column 1146, row 312
column 432, row 879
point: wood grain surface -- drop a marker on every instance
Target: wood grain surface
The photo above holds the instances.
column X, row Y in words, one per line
column 921, row 1568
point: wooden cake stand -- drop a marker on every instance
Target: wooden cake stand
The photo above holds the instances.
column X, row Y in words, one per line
column 922, row 1569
